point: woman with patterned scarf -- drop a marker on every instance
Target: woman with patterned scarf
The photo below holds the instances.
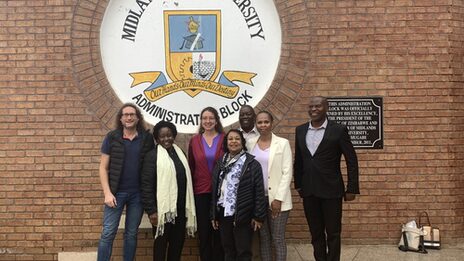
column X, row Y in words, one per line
column 167, row 194
column 238, row 204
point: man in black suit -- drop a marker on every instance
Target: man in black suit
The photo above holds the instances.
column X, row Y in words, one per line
column 319, row 145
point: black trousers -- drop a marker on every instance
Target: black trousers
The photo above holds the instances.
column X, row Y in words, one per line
column 209, row 239
column 324, row 217
column 172, row 241
column 236, row 239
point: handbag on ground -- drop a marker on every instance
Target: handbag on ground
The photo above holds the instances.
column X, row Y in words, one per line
column 432, row 236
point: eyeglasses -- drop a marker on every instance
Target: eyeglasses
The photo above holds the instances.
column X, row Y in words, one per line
column 127, row 115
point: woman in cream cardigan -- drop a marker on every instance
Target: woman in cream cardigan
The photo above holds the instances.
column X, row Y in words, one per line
column 275, row 156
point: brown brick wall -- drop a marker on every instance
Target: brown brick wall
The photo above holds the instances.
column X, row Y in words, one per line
column 57, row 106
column 457, row 92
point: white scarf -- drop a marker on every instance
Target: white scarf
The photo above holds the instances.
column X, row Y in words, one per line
column 230, row 183
column 166, row 193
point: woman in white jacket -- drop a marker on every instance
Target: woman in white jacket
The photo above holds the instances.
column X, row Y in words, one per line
column 275, row 156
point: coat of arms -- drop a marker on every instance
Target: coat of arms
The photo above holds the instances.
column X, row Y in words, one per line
column 192, row 42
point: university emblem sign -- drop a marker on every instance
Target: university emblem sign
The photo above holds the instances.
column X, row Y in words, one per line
column 173, row 58
column 197, row 47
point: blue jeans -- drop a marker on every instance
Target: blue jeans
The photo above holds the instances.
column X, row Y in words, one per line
column 111, row 218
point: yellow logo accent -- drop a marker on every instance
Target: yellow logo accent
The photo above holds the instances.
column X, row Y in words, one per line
column 192, row 84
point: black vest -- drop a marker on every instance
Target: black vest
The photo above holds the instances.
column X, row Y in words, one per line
column 117, row 155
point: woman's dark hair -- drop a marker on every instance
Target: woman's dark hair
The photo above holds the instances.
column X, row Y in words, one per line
column 224, row 143
column 268, row 113
column 218, row 126
column 164, row 124
column 140, row 123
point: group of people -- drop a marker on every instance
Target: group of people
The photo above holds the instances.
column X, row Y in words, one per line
column 229, row 185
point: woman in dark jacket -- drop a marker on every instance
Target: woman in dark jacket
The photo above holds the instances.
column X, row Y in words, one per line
column 238, row 201
column 167, row 194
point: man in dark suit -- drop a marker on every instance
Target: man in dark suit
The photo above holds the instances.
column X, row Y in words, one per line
column 319, row 145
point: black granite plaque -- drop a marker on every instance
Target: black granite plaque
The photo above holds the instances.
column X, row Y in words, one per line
column 362, row 116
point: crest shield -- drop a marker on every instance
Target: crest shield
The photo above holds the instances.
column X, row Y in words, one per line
column 192, row 45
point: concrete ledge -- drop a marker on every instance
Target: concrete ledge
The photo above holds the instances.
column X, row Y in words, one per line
column 145, row 222
column 77, row 256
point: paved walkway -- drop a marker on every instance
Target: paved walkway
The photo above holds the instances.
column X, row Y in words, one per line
column 304, row 252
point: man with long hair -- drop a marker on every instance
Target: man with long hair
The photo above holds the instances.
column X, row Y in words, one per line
column 122, row 154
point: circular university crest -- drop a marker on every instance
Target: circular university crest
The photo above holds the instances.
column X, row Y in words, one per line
column 173, row 58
